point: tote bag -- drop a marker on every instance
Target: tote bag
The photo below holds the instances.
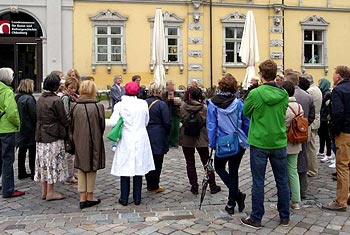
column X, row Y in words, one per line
column 116, row 133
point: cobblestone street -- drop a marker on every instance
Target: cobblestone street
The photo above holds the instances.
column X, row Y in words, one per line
column 173, row 212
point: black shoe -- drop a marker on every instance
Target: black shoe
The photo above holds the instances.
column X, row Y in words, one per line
column 82, row 205
column 194, row 190
column 334, row 174
column 137, row 202
column 124, row 203
column 240, row 201
column 230, row 210
column 24, row 176
column 284, row 223
column 215, row 189
column 251, row 224
column 93, row 203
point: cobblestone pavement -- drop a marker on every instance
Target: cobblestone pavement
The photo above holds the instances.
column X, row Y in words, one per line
column 174, row 211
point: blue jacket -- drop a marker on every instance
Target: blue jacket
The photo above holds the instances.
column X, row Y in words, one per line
column 221, row 121
column 158, row 127
column 340, row 116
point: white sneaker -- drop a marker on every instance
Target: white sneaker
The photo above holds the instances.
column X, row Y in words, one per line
column 320, row 155
column 326, row 158
column 332, row 165
column 114, row 148
column 332, row 161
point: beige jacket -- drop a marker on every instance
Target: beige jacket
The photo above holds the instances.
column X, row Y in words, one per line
column 292, row 148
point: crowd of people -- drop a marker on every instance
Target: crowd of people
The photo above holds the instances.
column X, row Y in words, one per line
column 63, row 133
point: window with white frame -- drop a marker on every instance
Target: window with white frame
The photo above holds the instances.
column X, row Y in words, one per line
column 108, row 42
column 233, row 39
column 109, row 38
column 172, row 39
column 233, row 26
column 314, row 51
column 313, row 47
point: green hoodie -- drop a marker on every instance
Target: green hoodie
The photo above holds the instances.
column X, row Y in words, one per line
column 266, row 107
column 9, row 122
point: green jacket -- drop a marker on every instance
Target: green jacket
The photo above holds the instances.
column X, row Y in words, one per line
column 9, row 122
column 266, row 107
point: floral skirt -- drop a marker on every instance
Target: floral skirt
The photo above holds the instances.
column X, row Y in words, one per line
column 50, row 162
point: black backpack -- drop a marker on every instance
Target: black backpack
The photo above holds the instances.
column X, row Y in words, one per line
column 193, row 124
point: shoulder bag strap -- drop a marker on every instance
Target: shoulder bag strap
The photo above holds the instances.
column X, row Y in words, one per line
column 153, row 103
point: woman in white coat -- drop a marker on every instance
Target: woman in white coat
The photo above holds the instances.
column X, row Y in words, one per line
column 133, row 156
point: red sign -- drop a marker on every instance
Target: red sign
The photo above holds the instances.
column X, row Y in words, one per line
column 4, row 27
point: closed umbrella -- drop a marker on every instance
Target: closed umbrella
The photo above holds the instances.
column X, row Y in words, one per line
column 249, row 51
column 158, row 48
column 209, row 169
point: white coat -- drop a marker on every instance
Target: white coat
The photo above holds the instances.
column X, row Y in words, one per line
column 133, row 155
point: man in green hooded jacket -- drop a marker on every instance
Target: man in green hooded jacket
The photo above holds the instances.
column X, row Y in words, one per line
column 266, row 107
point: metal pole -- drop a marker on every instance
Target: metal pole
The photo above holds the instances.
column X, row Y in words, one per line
column 211, row 42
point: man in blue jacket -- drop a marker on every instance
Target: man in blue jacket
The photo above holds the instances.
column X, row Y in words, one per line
column 340, row 118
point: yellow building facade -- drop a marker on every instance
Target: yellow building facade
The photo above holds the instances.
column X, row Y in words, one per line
column 203, row 37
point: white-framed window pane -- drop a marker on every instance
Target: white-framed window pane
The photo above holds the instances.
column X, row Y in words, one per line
column 172, row 58
column 116, row 41
column 239, row 32
column 172, row 41
column 307, row 35
column 318, row 53
column 307, row 53
column 229, row 32
column 102, row 49
column 318, row 36
column 116, row 57
column 101, row 30
column 116, row 30
column 230, row 46
column 116, row 49
column 172, row 31
column 230, row 56
column 101, row 57
column 102, row 41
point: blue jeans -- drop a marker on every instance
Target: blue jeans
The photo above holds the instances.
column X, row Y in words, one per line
column 258, row 162
column 8, row 157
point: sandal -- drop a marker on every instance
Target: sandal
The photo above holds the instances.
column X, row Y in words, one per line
column 55, row 196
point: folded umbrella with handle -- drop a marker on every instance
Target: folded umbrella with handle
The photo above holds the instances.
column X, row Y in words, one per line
column 209, row 169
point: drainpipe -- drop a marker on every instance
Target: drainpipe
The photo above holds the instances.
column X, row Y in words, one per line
column 211, row 42
column 284, row 55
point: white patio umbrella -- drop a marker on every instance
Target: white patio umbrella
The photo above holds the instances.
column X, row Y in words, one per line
column 158, row 47
column 249, row 51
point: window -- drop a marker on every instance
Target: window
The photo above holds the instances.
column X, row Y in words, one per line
column 108, row 41
column 313, row 47
column 233, row 26
column 172, row 39
column 233, row 38
column 314, row 51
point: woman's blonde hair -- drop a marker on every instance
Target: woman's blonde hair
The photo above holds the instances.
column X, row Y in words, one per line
column 88, row 89
column 26, row 86
column 155, row 89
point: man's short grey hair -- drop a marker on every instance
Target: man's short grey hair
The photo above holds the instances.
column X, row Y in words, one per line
column 117, row 76
column 6, row 75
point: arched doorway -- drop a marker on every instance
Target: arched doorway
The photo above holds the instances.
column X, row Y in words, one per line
column 21, row 47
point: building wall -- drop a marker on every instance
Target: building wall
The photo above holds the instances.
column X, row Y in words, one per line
column 138, row 36
column 55, row 18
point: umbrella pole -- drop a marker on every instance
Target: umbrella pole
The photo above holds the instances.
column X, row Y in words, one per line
column 211, row 42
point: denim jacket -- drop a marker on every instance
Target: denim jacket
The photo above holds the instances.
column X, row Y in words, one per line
column 222, row 121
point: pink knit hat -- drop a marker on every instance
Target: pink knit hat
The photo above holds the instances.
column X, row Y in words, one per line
column 132, row 88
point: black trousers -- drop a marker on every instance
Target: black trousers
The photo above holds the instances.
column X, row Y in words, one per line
column 153, row 177
column 22, row 152
column 191, row 164
column 125, row 188
column 323, row 134
column 230, row 178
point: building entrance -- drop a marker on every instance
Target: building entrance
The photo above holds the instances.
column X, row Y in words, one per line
column 21, row 47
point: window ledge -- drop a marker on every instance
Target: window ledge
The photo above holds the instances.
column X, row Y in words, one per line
column 315, row 66
column 237, row 65
column 109, row 66
column 166, row 66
